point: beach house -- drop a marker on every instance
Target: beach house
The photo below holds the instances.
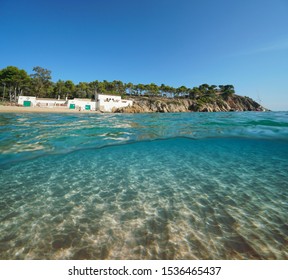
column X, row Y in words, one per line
column 82, row 104
column 50, row 103
column 27, row 101
column 103, row 103
column 109, row 103
column 32, row 101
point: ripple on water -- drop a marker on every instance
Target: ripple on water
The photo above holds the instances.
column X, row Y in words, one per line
column 172, row 199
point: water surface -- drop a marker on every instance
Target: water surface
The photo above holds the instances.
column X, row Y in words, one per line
column 154, row 186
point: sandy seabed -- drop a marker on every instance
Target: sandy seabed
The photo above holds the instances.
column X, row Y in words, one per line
column 20, row 109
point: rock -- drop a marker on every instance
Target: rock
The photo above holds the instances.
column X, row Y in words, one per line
column 207, row 103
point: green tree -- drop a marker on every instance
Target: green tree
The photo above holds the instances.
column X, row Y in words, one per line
column 83, row 90
column 204, row 88
column 152, row 89
column 118, row 87
column 130, row 88
column 41, row 81
column 107, row 86
column 167, row 90
column 16, row 82
column 140, row 89
column 70, row 88
column 95, row 87
column 59, row 88
column 98, row 86
column 212, row 89
column 227, row 90
column 195, row 92
column 182, row 91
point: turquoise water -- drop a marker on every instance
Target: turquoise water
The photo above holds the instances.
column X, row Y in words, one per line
column 154, row 186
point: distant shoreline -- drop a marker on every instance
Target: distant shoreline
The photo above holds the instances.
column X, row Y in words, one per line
column 20, row 109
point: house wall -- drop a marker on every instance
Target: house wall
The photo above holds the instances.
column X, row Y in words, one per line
column 32, row 99
column 106, row 103
column 107, row 98
column 50, row 103
column 81, row 103
column 41, row 102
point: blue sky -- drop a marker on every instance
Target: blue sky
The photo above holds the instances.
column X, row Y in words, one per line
column 175, row 42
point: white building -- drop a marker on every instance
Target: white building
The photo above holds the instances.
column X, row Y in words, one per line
column 82, row 104
column 50, row 103
column 108, row 103
column 32, row 101
column 104, row 103
column 27, row 101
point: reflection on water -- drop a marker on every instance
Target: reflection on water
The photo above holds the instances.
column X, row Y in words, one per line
column 169, row 199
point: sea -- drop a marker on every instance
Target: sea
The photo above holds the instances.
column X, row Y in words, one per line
column 177, row 186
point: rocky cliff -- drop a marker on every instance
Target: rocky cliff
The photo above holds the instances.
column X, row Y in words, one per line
column 207, row 103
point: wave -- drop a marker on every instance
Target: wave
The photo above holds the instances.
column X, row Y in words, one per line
column 7, row 162
column 31, row 156
column 25, row 137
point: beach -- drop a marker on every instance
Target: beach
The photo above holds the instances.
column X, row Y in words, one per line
column 20, row 109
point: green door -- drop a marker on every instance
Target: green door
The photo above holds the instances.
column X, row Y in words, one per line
column 27, row 103
column 72, row 106
column 87, row 107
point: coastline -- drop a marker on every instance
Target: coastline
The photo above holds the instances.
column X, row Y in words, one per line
column 206, row 103
column 19, row 109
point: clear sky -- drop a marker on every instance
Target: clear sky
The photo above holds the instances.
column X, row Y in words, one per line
column 175, row 42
